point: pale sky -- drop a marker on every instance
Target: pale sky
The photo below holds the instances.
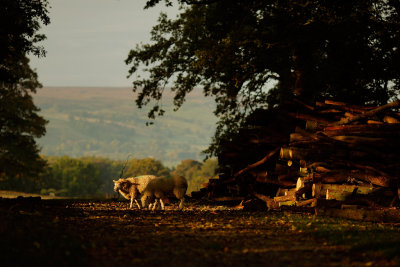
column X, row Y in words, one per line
column 88, row 41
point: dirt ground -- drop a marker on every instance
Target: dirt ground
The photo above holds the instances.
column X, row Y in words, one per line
column 105, row 233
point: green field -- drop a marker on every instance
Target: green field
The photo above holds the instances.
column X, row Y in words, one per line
column 106, row 122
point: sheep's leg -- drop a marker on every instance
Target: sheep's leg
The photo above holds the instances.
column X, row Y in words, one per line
column 130, row 206
column 159, row 205
column 144, row 202
column 155, row 204
column 138, row 205
column 162, row 204
column 181, row 203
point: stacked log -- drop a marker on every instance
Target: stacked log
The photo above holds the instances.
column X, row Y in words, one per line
column 304, row 153
column 243, row 165
column 349, row 158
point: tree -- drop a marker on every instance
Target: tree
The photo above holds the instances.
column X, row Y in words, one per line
column 137, row 167
column 73, row 177
column 196, row 172
column 19, row 122
column 257, row 54
column 187, row 168
column 108, row 170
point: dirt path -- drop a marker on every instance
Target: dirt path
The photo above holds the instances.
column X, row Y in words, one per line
column 87, row 233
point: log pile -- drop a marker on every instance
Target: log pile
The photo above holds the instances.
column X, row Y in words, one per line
column 243, row 164
column 346, row 152
column 326, row 151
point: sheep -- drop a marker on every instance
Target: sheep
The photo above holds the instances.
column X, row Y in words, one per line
column 132, row 188
column 162, row 187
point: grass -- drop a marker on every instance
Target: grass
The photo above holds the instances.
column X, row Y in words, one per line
column 369, row 239
column 15, row 194
column 106, row 233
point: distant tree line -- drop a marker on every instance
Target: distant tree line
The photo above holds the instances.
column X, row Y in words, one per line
column 93, row 176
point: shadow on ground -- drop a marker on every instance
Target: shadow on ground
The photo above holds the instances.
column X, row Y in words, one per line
column 106, row 233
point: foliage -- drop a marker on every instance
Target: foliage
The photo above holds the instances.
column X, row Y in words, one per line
column 73, row 177
column 137, row 167
column 187, row 168
column 93, row 176
column 102, row 121
column 196, row 172
column 236, row 51
column 20, row 162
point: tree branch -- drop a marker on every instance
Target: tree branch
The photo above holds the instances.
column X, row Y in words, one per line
column 369, row 113
column 199, row 2
column 263, row 160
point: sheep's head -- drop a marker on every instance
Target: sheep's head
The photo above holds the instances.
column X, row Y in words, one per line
column 117, row 185
column 126, row 186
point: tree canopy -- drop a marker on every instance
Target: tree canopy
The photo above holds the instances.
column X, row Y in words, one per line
column 20, row 123
column 257, row 54
column 196, row 172
column 137, row 167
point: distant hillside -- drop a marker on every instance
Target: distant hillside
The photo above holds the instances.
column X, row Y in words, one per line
column 106, row 122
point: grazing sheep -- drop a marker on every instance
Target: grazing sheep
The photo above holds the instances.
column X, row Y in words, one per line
column 132, row 188
column 160, row 188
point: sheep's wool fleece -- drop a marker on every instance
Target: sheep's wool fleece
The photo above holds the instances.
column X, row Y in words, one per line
column 167, row 185
column 142, row 181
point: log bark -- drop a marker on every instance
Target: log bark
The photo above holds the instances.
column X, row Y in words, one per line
column 374, row 122
column 295, row 137
column 288, row 178
column 358, row 139
column 311, row 202
column 285, row 192
column 320, row 190
column 314, row 126
column 346, row 175
column 285, row 198
column 331, row 111
column 343, row 106
column 377, row 130
column 271, row 204
column 390, row 119
column 331, row 177
column 258, row 163
column 302, row 103
column 321, row 152
column 295, row 153
column 275, row 182
column 383, row 181
column 308, row 117
column 306, row 190
column 362, row 128
column 368, row 113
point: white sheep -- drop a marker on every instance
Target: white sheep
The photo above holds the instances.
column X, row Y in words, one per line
column 163, row 187
column 132, row 188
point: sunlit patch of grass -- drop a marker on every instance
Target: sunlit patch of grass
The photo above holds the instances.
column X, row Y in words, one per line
column 363, row 237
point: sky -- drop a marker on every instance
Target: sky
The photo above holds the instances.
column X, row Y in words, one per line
column 88, row 41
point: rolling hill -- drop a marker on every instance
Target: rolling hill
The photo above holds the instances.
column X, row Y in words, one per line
column 106, row 122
